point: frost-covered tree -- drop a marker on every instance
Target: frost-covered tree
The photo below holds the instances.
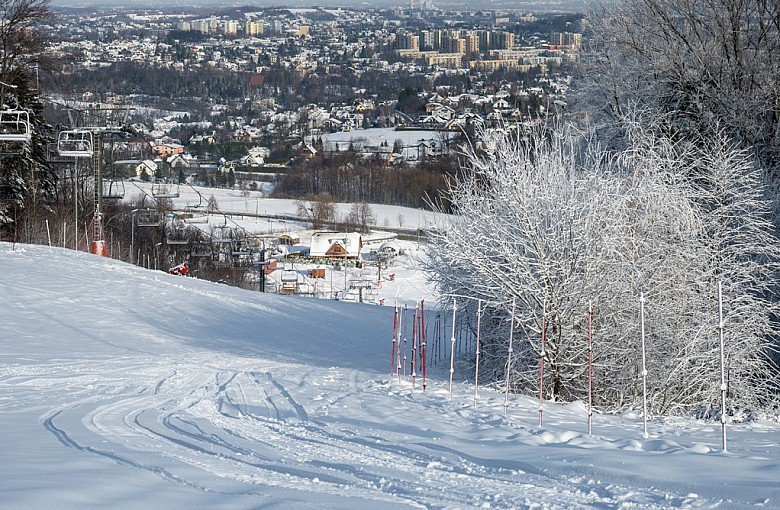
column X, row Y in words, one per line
column 703, row 67
column 319, row 210
column 554, row 223
column 361, row 217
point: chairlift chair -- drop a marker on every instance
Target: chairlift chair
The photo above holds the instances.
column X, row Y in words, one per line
column 241, row 247
column 15, row 126
column 177, row 232
column 201, row 249
column 76, row 143
column 289, row 276
column 177, row 236
column 221, row 234
column 196, row 215
column 162, row 190
column 148, row 218
column 221, row 256
column 243, row 261
column 113, row 189
column 289, row 280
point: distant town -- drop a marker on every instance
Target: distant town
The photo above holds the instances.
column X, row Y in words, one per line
column 255, row 88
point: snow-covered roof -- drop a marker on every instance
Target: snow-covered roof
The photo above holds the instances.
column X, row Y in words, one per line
column 336, row 244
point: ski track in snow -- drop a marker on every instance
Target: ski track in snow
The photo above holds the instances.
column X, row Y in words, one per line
column 245, row 425
column 286, row 402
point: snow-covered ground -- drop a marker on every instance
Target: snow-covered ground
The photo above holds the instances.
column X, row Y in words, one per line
column 122, row 387
column 403, row 284
column 255, row 212
column 411, row 142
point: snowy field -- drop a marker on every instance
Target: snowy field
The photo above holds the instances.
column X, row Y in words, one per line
column 125, row 388
column 409, row 140
column 255, row 212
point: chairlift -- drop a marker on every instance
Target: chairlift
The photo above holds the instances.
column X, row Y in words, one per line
column 222, row 234
column 241, row 248
column 199, row 205
column 242, row 262
column 221, row 256
column 196, row 215
column 162, row 190
column 242, row 253
column 113, row 189
column 289, row 280
column 201, row 249
column 76, row 143
column 177, row 235
column 289, row 276
column 177, row 232
column 148, row 218
column 15, row 126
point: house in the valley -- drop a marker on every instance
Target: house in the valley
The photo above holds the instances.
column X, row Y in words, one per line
column 146, row 166
column 164, row 150
column 336, row 245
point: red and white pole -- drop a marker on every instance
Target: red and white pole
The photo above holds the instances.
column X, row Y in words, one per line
column 422, row 335
column 542, row 354
column 590, row 368
column 476, row 371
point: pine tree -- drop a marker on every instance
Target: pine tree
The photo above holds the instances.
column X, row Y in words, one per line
column 26, row 180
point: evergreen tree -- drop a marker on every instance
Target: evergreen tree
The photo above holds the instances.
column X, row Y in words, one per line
column 26, row 180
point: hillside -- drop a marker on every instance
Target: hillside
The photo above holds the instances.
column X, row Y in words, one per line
column 123, row 388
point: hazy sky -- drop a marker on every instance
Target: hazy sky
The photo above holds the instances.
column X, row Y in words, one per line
column 529, row 5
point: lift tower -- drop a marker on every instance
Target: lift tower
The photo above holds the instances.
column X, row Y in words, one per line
column 98, row 243
column 88, row 142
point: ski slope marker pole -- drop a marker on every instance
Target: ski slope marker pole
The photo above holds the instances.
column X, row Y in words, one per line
column 422, row 332
column 395, row 333
column 509, row 356
column 723, row 385
column 405, row 340
column 452, row 347
column 644, row 364
column 414, row 347
column 542, row 354
column 398, row 344
column 476, row 371
column 590, row 368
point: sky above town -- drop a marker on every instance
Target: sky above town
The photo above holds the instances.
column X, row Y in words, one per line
column 522, row 5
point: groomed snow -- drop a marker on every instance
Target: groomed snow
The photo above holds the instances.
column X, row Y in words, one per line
column 122, row 387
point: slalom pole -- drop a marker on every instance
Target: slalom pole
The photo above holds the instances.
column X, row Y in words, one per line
column 644, row 364
column 440, row 327
column 509, row 356
column 541, row 365
column 398, row 343
column 395, row 333
column 723, row 386
column 452, row 347
column 422, row 333
column 405, row 320
column 48, row 233
column 436, row 354
column 476, row 371
column 414, row 347
column 590, row 368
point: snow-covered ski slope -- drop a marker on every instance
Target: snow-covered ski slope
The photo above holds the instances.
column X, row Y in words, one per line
column 123, row 388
